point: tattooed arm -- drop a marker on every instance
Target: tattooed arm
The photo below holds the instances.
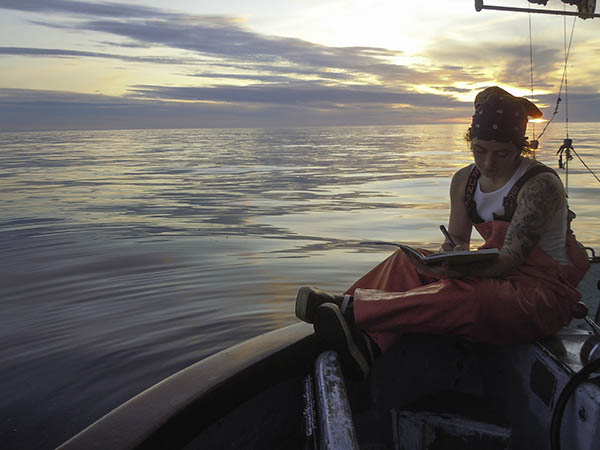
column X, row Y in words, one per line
column 537, row 203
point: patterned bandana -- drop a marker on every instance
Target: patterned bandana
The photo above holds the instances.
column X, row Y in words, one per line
column 501, row 117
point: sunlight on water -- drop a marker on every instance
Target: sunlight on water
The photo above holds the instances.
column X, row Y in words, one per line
column 128, row 255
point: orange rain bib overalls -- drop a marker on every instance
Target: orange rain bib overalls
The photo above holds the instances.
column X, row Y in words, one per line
column 530, row 302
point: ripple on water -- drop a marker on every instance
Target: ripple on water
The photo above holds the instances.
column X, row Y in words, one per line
column 128, row 255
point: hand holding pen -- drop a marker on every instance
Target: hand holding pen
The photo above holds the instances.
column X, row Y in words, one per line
column 448, row 237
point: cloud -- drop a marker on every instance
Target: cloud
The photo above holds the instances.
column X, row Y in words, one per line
column 582, row 106
column 516, row 66
column 245, row 77
column 218, row 35
column 224, row 38
column 228, row 40
column 168, row 107
column 61, row 53
column 125, row 44
column 250, row 79
column 45, row 110
column 308, row 93
column 106, row 9
column 503, row 63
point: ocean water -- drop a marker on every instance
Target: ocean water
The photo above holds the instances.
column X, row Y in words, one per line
column 128, row 255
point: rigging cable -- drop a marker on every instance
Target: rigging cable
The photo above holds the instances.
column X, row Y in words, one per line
column 566, row 70
column 567, row 146
column 567, row 143
column 562, row 81
column 531, row 76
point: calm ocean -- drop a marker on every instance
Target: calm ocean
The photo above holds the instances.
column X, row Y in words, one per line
column 128, row 255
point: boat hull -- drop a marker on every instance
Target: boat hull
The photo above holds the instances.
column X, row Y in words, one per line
column 250, row 396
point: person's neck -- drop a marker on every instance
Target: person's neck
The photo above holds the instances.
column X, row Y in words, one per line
column 490, row 184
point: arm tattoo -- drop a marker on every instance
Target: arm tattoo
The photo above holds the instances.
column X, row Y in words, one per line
column 515, row 256
column 539, row 199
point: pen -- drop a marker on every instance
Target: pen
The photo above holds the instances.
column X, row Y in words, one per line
column 447, row 235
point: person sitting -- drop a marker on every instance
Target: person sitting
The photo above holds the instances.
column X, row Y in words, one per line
column 517, row 205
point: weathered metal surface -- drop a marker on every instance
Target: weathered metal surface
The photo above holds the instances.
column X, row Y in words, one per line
column 309, row 412
column 335, row 416
column 589, row 288
column 430, row 431
column 525, row 382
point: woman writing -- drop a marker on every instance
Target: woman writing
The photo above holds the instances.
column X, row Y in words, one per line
column 519, row 206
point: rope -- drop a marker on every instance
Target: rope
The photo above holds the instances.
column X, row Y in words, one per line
column 586, row 166
column 566, row 69
column 565, row 72
column 531, row 73
column 566, row 83
column 562, row 81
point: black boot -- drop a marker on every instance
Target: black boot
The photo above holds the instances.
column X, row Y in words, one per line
column 355, row 348
column 309, row 299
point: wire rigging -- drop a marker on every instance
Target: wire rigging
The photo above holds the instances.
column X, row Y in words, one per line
column 562, row 82
column 586, row 166
column 531, row 74
column 566, row 70
column 567, row 146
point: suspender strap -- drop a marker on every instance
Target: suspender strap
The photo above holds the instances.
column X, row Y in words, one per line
column 470, row 195
column 510, row 201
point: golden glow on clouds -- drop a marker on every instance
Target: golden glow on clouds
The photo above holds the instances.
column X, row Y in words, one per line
column 383, row 51
column 64, row 75
column 380, row 23
column 457, row 120
column 401, row 106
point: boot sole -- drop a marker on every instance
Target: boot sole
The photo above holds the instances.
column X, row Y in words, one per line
column 332, row 329
column 302, row 305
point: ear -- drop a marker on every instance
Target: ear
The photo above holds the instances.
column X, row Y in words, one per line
column 518, row 151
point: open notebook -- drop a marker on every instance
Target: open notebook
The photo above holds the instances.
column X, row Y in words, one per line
column 458, row 257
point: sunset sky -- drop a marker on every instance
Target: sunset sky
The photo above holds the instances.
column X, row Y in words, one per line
column 257, row 63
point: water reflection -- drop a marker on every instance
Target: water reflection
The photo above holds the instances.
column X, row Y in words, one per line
column 129, row 254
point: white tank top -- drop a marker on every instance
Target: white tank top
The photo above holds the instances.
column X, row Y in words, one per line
column 490, row 203
column 553, row 240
